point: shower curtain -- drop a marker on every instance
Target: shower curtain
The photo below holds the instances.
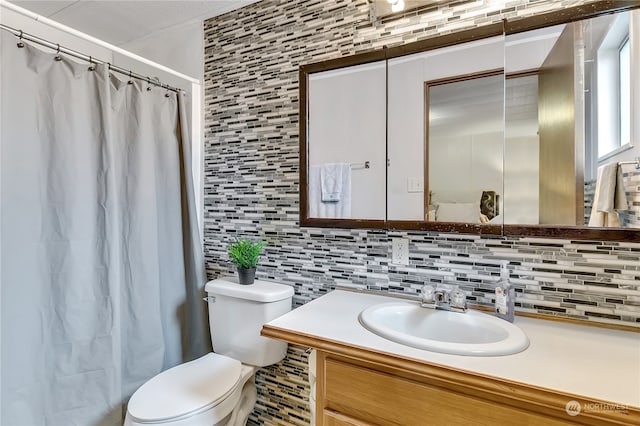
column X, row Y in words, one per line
column 101, row 264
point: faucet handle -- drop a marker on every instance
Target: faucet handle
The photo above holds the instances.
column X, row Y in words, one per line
column 457, row 299
column 428, row 296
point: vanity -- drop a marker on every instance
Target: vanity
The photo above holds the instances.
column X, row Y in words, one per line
column 569, row 374
column 498, row 132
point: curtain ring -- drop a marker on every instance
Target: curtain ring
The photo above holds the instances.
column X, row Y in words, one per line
column 130, row 81
column 166, row 95
column 91, row 66
column 148, row 84
column 58, row 57
column 20, row 44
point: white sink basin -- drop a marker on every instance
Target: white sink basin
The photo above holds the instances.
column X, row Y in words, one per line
column 470, row 333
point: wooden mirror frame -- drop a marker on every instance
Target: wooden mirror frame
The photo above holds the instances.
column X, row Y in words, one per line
column 506, row 28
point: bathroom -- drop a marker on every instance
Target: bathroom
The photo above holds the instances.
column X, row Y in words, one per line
column 245, row 115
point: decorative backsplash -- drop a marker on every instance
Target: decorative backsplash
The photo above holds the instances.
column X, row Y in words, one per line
column 252, row 57
column 589, row 194
column 631, row 217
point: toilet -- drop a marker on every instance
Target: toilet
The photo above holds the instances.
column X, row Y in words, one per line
column 218, row 389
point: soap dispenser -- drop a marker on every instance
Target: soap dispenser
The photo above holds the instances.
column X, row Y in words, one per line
column 505, row 295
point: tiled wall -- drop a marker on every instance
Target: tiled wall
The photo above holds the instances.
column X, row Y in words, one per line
column 251, row 190
column 589, row 194
column 631, row 217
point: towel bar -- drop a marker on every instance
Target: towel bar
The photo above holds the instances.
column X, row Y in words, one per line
column 636, row 162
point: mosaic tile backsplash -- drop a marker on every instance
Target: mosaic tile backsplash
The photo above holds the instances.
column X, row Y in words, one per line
column 252, row 57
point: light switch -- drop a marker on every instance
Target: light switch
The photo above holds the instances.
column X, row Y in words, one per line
column 415, row 184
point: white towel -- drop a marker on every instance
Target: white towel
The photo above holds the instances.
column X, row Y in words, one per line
column 331, row 180
column 318, row 208
column 609, row 197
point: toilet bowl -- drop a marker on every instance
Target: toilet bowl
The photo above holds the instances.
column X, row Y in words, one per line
column 218, row 389
column 201, row 392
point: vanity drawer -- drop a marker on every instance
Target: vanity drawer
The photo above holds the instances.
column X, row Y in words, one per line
column 331, row 418
column 384, row 399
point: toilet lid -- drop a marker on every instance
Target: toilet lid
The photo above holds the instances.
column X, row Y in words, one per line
column 186, row 388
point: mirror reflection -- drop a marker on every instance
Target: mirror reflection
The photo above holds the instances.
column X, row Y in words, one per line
column 574, row 112
column 464, row 140
column 535, row 128
column 445, row 134
column 346, row 143
column 522, row 149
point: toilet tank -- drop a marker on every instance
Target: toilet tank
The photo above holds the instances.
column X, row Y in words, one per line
column 237, row 313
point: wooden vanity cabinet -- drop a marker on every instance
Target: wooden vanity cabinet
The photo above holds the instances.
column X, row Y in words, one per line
column 354, row 392
column 362, row 385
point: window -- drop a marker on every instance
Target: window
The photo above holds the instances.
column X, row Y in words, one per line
column 624, row 71
column 614, row 88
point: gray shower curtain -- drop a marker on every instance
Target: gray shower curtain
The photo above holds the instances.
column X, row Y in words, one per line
column 101, row 264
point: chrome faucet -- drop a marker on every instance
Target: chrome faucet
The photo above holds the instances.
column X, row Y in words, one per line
column 448, row 298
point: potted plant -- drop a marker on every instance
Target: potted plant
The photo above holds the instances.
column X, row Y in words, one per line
column 244, row 254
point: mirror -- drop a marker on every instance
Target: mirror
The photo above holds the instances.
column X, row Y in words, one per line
column 569, row 111
column 493, row 130
column 445, row 133
column 465, row 124
column 346, row 142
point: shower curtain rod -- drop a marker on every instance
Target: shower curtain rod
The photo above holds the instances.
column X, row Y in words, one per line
column 90, row 59
column 58, row 26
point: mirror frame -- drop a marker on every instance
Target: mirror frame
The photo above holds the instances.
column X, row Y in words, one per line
column 506, row 27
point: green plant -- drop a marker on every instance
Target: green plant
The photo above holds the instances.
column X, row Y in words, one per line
column 245, row 253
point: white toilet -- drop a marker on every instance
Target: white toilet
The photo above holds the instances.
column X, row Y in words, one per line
column 218, row 388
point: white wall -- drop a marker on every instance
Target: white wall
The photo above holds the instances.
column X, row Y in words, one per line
column 406, row 139
column 180, row 48
column 36, row 28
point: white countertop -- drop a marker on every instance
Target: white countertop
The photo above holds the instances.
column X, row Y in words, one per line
column 588, row 361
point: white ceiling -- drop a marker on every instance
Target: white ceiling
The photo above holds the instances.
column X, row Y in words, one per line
column 120, row 22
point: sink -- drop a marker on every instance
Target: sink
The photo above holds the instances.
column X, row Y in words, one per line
column 471, row 333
